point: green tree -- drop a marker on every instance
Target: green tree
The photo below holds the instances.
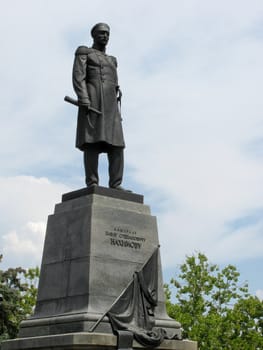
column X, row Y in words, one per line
column 213, row 307
column 18, row 291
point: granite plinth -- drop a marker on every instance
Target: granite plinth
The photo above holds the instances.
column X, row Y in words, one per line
column 103, row 191
column 81, row 341
column 94, row 243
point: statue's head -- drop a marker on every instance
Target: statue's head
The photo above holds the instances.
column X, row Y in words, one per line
column 100, row 27
column 100, row 33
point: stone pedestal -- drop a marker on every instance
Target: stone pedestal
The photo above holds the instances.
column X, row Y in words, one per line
column 95, row 240
column 86, row 341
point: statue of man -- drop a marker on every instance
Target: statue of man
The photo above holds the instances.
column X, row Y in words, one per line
column 95, row 82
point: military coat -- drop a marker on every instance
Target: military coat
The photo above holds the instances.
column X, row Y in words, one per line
column 95, row 81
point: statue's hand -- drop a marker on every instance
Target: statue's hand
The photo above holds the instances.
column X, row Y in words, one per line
column 84, row 103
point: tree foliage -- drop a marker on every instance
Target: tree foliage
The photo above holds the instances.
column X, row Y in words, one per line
column 214, row 308
column 18, row 292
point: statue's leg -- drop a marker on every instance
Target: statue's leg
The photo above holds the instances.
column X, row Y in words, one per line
column 115, row 157
column 91, row 160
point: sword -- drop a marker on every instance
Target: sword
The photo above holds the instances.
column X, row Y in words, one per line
column 76, row 103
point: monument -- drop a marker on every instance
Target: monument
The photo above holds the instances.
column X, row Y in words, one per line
column 99, row 128
column 101, row 281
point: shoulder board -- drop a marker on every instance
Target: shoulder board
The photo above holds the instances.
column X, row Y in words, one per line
column 114, row 59
column 83, row 50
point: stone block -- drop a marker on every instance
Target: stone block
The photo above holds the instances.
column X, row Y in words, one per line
column 81, row 341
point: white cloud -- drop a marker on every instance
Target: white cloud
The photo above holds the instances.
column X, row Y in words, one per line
column 25, row 204
column 259, row 294
column 25, row 244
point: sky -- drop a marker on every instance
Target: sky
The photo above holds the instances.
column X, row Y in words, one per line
column 191, row 74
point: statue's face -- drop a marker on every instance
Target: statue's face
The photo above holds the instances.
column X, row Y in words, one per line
column 101, row 37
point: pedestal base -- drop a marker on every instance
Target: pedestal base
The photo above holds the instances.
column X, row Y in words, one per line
column 81, row 341
column 95, row 241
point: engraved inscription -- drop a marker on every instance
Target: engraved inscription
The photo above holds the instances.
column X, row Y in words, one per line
column 124, row 243
column 124, row 238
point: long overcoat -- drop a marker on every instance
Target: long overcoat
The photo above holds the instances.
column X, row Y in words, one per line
column 95, row 80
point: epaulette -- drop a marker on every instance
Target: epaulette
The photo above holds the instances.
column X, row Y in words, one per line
column 114, row 59
column 83, row 50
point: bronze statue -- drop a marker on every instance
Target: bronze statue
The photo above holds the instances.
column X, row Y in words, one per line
column 99, row 127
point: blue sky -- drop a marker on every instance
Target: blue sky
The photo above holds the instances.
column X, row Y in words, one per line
column 192, row 78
